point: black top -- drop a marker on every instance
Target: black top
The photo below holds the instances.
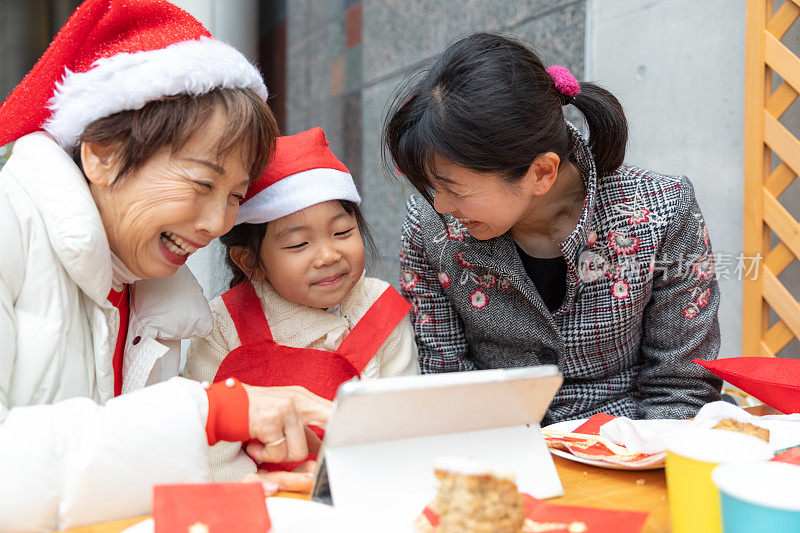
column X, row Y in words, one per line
column 549, row 275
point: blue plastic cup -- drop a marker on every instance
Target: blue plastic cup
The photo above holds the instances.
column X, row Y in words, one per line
column 759, row 497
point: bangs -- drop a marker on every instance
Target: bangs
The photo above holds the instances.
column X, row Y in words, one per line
column 429, row 125
column 172, row 121
column 420, row 137
column 249, row 126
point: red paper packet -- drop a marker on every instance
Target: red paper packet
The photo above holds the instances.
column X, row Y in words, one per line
column 221, row 507
column 773, row 380
column 553, row 518
column 592, row 426
column 791, row 456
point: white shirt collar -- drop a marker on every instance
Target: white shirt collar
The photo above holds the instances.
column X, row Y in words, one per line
column 122, row 274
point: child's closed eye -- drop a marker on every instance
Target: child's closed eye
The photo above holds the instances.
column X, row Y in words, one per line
column 295, row 246
column 344, row 233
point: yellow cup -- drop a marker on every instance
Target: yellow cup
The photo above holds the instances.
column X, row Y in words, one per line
column 693, row 498
column 691, row 456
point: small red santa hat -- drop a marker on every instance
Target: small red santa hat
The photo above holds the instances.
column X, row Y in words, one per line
column 303, row 172
column 118, row 55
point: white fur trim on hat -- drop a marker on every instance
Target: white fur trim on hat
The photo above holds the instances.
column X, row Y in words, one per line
column 296, row 192
column 129, row 81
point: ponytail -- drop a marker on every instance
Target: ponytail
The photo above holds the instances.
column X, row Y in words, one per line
column 608, row 127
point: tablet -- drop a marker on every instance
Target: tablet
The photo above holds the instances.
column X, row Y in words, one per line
column 393, row 427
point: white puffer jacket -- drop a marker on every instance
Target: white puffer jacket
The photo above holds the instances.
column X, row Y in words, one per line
column 69, row 454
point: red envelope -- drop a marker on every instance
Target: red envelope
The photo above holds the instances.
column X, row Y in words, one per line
column 774, row 381
column 221, row 507
column 592, row 426
column 554, row 518
column 595, row 520
column 791, row 456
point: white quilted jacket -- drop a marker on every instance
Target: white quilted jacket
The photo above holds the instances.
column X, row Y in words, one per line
column 69, row 454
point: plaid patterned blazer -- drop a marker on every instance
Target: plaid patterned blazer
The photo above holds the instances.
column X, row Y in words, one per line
column 641, row 299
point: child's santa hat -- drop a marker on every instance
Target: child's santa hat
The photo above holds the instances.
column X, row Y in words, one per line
column 302, row 173
column 118, row 55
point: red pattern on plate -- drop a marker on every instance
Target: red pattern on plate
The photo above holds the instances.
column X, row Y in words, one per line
column 585, row 442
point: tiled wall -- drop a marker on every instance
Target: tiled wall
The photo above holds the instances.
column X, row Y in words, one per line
column 324, row 73
column 272, row 43
column 345, row 59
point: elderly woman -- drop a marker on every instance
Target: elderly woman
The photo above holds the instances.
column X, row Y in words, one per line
column 533, row 245
column 136, row 137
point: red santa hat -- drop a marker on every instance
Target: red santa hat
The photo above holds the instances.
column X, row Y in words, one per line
column 303, row 172
column 118, row 55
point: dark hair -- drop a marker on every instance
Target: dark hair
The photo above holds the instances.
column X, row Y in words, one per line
column 488, row 104
column 173, row 120
column 250, row 237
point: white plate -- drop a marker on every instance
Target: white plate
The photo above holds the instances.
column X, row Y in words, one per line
column 289, row 515
column 568, row 426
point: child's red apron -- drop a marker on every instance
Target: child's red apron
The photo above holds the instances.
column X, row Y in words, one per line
column 261, row 361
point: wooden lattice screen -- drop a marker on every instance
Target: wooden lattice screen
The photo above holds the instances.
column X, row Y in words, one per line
column 768, row 142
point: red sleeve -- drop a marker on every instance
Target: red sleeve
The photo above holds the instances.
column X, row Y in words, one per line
column 228, row 412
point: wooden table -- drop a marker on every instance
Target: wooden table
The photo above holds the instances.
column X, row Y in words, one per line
column 589, row 486
column 622, row 490
column 583, row 485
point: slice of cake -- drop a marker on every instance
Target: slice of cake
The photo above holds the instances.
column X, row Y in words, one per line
column 729, row 424
column 473, row 498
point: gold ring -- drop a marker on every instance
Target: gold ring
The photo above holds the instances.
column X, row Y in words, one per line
column 276, row 442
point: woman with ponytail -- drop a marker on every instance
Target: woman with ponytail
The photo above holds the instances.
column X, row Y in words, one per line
column 533, row 245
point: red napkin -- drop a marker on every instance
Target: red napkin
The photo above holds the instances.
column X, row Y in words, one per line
column 221, row 507
column 596, row 520
column 774, row 381
column 554, row 518
column 791, row 456
column 592, row 426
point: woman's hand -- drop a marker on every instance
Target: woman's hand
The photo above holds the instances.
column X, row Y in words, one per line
column 299, row 480
column 279, row 417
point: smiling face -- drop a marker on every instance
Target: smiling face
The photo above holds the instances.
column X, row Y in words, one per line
column 314, row 256
column 484, row 203
column 175, row 203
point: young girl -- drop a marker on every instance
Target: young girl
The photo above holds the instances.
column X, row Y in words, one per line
column 534, row 245
column 300, row 311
